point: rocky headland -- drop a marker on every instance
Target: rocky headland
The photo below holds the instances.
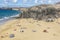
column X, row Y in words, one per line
column 41, row 12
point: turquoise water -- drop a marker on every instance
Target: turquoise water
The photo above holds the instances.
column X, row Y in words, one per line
column 8, row 13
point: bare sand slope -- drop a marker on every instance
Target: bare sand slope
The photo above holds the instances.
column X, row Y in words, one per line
column 29, row 29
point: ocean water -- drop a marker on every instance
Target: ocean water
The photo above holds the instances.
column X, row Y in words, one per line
column 6, row 14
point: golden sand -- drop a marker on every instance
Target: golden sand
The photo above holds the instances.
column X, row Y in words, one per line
column 29, row 29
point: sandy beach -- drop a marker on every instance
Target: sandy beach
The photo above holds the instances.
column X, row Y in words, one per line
column 29, row 29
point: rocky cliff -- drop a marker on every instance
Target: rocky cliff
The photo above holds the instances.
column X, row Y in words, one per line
column 41, row 12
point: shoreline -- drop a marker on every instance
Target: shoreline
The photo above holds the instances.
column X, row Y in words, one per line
column 5, row 19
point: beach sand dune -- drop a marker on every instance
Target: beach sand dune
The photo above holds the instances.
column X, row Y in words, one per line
column 30, row 29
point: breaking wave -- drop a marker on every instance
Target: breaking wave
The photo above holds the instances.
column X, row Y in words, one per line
column 6, row 15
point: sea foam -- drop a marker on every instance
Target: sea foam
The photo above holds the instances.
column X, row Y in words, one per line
column 4, row 19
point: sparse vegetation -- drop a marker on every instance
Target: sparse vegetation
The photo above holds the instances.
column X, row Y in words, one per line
column 41, row 13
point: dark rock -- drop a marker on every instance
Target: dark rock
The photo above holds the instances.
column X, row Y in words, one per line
column 2, row 36
column 11, row 35
column 45, row 31
column 21, row 30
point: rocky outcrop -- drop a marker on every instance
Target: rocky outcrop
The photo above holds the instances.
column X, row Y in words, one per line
column 40, row 12
column 58, row 3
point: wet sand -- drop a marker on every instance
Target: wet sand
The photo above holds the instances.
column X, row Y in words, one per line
column 29, row 29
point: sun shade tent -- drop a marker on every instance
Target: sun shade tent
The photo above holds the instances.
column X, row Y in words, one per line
column 24, row 3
